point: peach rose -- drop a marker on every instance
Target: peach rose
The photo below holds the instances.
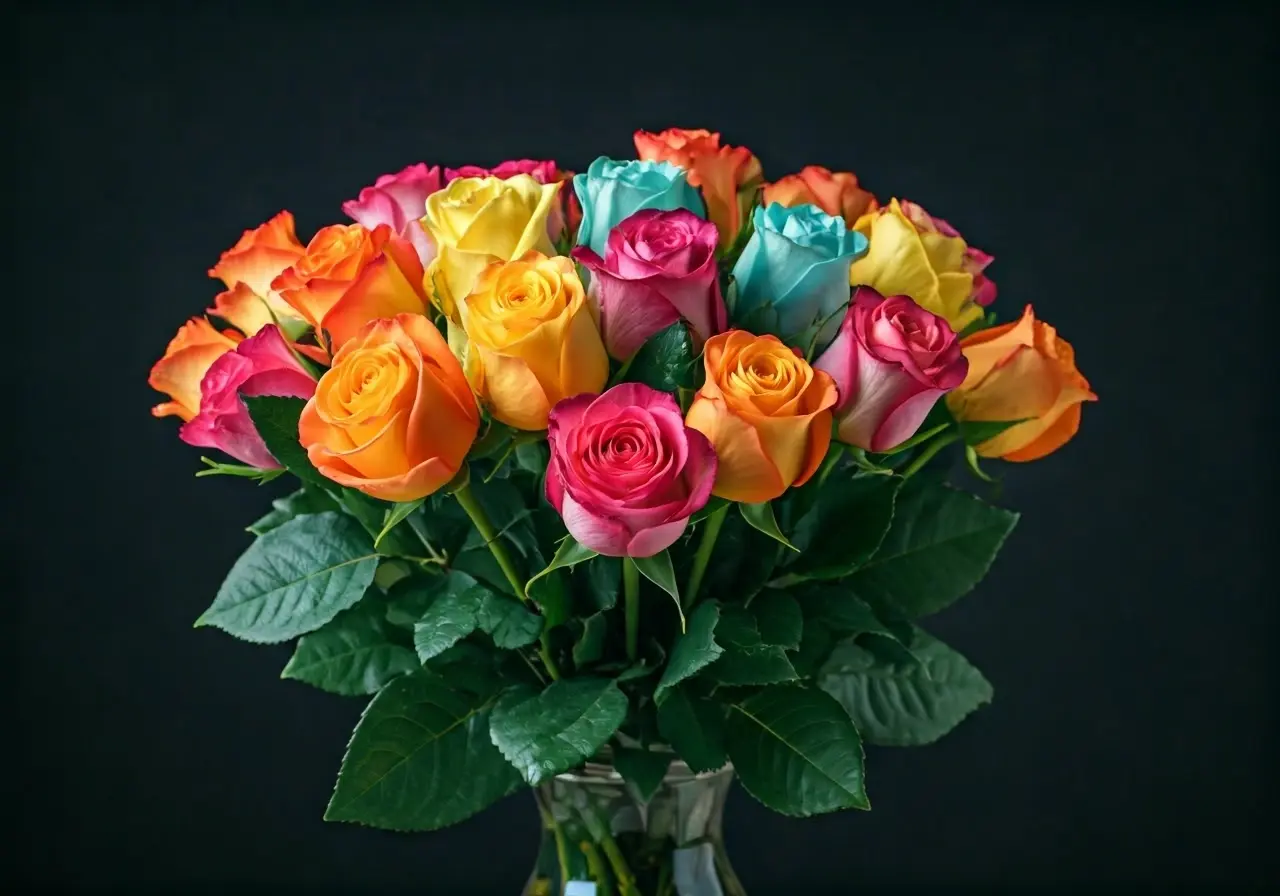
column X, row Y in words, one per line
column 767, row 413
column 248, row 268
column 189, row 356
column 728, row 175
column 349, row 276
column 1021, row 371
column 837, row 194
column 394, row 416
column 533, row 339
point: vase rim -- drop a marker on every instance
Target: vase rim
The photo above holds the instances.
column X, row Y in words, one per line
column 602, row 772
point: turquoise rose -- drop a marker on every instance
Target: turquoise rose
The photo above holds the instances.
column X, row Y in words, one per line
column 612, row 191
column 796, row 264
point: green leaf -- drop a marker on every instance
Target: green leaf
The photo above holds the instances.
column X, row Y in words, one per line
column 509, row 622
column 396, row 515
column 695, row 728
column 352, row 655
column 420, row 758
column 694, row 650
column 971, row 458
column 666, row 361
column 545, row 733
column 742, row 562
column 604, row 582
column 409, row 598
column 940, row 545
column 975, row 432
column 713, row 504
column 795, row 750
column 845, row 525
column 589, row 647
column 294, row 579
column 778, row 618
column 643, row 770
column 303, row 501
column 449, row 619
column 747, row 659
column 276, row 420
column 815, row 647
column 839, row 609
column 760, row 517
column 905, row 703
column 568, row 555
column 217, row 468
column 658, row 569
column 922, row 435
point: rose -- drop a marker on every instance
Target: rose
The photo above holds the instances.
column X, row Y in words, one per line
column 476, row 221
column 728, row 175
column 532, row 339
column 399, row 200
column 1021, row 371
column 837, row 194
column 190, row 354
column 564, row 212
column 394, row 416
column 248, row 268
column 612, row 191
column 766, row 412
column 260, row 365
column 626, row 473
column 658, row 267
column 349, row 276
column 891, row 362
column 916, row 255
column 797, row 263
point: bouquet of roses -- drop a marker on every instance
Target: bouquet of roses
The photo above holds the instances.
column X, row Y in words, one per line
column 640, row 466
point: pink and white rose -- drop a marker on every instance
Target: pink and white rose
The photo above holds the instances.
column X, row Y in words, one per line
column 891, row 361
column 259, row 365
column 658, row 267
column 625, row 472
column 399, row 200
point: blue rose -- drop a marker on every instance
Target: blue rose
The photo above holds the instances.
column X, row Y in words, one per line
column 612, row 191
column 797, row 263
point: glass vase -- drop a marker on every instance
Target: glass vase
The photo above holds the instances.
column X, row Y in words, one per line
column 600, row 839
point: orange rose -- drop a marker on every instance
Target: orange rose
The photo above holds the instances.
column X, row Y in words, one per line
column 394, row 416
column 248, row 268
column 728, row 175
column 766, row 412
column 837, row 194
column 190, row 353
column 1022, row 371
column 351, row 275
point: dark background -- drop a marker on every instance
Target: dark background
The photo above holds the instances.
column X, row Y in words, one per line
column 1115, row 164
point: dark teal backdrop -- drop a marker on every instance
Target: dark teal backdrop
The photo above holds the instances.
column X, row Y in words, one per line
column 1115, row 164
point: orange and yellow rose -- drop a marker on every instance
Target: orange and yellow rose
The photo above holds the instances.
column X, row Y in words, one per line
column 350, row 275
column 248, row 268
column 1021, row 371
column 532, row 339
column 190, row 354
column 836, row 193
column 767, row 413
column 476, row 221
column 394, row 416
column 729, row 176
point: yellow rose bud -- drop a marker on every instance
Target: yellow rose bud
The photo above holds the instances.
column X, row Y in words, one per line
column 476, row 221
column 913, row 254
column 533, row 339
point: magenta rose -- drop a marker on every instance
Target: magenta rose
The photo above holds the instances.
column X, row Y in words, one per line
column 625, row 472
column 260, row 365
column 399, row 200
column 891, row 361
column 658, row 267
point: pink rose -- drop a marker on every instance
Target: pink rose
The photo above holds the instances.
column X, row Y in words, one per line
column 891, row 361
column 625, row 472
column 544, row 172
column 399, row 200
column 260, row 365
column 658, row 267
column 975, row 261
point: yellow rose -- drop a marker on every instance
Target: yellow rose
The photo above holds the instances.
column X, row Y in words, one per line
column 475, row 221
column 913, row 254
column 533, row 339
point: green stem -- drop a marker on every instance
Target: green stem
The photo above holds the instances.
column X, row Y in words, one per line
column 467, row 500
column 927, row 454
column 834, row 453
column 595, row 865
column 631, row 596
column 418, row 530
column 622, row 371
column 703, row 556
